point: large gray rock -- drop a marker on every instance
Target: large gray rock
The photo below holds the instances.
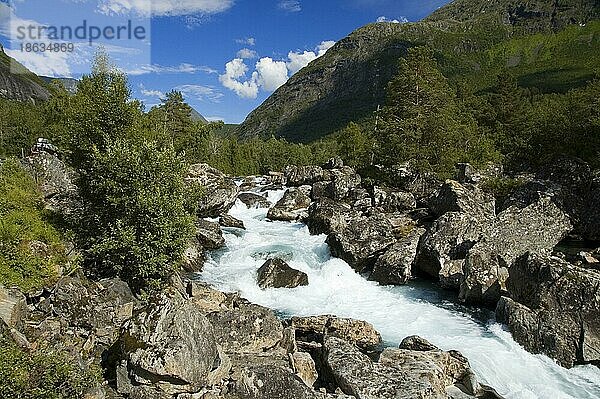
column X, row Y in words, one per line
column 394, row 267
column 194, row 256
column 442, row 251
column 275, row 273
column 302, row 175
column 357, row 332
column 362, row 241
column 168, row 349
column 13, row 307
column 294, row 199
column 209, row 234
column 537, row 227
column 219, row 192
column 327, row 216
column 252, row 200
column 555, row 308
column 467, row 198
column 393, row 201
column 230, row 221
column 271, row 382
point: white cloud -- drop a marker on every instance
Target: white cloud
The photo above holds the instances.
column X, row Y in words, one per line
column 49, row 63
column 181, row 68
column 214, row 118
column 247, row 54
column 401, row 20
column 200, row 92
column 290, row 5
column 270, row 75
column 234, row 70
column 250, row 41
column 151, row 93
column 164, row 7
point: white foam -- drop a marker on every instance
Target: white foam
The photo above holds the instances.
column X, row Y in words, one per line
column 397, row 312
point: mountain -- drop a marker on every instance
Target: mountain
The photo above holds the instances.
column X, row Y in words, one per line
column 550, row 45
column 70, row 84
column 18, row 83
column 197, row 117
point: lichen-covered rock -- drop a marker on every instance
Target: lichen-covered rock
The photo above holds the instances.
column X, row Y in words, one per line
column 275, row 273
column 362, row 241
column 271, row 382
column 292, row 201
column 301, row 175
column 169, row 348
column 209, row 234
column 393, row 201
column 555, row 308
column 230, row 221
column 252, row 200
column 394, row 267
column 327, row 216
column 219, row 192
column 467, row 198
column 537, row 227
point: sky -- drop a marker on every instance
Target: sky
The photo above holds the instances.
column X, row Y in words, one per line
column 225, row 56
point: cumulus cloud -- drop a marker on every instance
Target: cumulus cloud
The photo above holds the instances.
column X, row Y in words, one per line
column 290, row 5
column 235, row 70
column 401, row 20
column 164, row 7
column 269, row 74
column 247, row 54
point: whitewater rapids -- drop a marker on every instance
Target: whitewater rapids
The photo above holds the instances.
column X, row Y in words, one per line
column 396, row 312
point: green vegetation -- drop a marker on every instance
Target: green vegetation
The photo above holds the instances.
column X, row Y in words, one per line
column 40, row 374
column 31, row 250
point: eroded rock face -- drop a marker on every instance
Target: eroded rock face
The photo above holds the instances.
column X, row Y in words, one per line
column 294, row 199
column 394, row 267
column 362, row 241
column 169, row 348
column 252, row 200
column 537, row 227
column 220, row 191
column 209, row 234
column 555, row 308
column 275, row 273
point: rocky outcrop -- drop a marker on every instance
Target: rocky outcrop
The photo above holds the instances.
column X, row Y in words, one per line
column 252, row 200
column 167, row 349
column 297, row 176
column 338, row 186
column 275, row 273
column 217, row 191
column 327, row 216
column 393, row 201
column 554, row 308
column 455, row 197
column 394, row 267
column 230, row 221
column 209, row 234
column 286, row 209
column 362, row 241
column 537, row 227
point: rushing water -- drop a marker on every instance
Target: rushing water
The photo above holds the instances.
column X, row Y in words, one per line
column 396, row 312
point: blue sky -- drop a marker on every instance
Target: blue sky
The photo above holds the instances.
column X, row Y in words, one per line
column 226, row 56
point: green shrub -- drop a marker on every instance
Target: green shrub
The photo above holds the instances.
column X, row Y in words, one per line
column 23, row 227
column 41, row 375
column 501, row 187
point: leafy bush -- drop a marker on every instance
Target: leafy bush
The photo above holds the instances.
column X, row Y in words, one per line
column 30, row 247
column 40, row 375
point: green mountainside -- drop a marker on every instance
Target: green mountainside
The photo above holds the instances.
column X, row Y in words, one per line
column 551, row 46
column 18, row 83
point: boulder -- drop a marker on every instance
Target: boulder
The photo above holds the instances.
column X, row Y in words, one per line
column 393, row 201
column 537, row 227
column 242, row 327
column 271, row 382
column 334, row 163
column 362, row 241
column 443, row 249
column 302, row 175
column 252, row 200
column 455, row 197
column 407, row 177
column 394, row 267
column 304, row 367
column 293, row 200
column 230, row 221
column 275, row 273
column 357, row 332
column 343, row 181
column 194, row 256
column 554, row 308
column 169, row 348
column 327, row 216
column 13, row 307
column 219, row 192
column 209, row 234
